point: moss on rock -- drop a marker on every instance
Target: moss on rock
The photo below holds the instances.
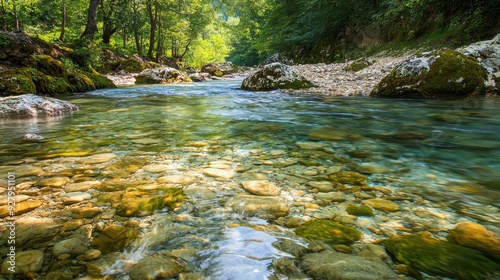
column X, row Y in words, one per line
column 424, row 253
column 359, row 65
column 99, row 80
column 15, row 82
column 48, row 65
column 80, row 82
column 359, row 210
column 131, row 65
column 275, row 76
column 437, row 74
column 329, row 232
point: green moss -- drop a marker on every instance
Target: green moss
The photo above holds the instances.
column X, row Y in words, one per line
column 329, row 232
column 48, row 85
column 4, row 40
column 15, row 82
column 99, row 80
column 359, row 65
column 349, row 177
column 80, row 81
column 450, row 74
column 49, row 65
column 359, row 210
column 131, row 65
column 432, row 256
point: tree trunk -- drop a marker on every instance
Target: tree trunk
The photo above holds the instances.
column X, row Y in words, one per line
column 16, row 18
column 63, row 23
column 91, row 27
column 138, row 45
column 153, row 20
column 3, row 23
column 108, row 28
column 136, row 28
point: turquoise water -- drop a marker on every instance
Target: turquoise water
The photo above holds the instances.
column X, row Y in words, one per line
column 443, row 150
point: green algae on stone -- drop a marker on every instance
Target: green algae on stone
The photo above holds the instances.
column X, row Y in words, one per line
column 15, row 82
column 359, row 64
column 80, row 81
column 146, row 204
column 329, row 232
column 359, row 210
column 349, row 177
column 437, row 74
column 48, row 65
column 424, row 253
column 114, row 238
column 99, row 80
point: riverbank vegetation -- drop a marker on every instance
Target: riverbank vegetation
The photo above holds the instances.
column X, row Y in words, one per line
column 246, row 32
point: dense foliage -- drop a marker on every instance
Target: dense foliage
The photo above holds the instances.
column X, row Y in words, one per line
column 196, row 32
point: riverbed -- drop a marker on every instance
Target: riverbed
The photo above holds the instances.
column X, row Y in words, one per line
column 420, row 166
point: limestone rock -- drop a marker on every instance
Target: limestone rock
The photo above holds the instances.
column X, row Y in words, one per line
column 261, row 187
column 99, row 158
column 57, row 182
column 26, row 262
column 259, row 206
column 76, row 197
column 32, row 231
column 156, row 267
column 220, row 68
column 436, row 74
column 330, row 196
column 85, row 212
column 331, row 265
column 20, row 208
column 477, row 237
column 30, row 105
column 349, row 177
column 165, row 75
column 73, row 246
column 322, row 186
column 81, row 187
column 274, row 76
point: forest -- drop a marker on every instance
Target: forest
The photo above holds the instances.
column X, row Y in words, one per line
column 196, row 32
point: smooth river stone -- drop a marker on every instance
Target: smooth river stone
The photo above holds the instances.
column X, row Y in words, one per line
column 261, row 187
column 57, row 182
column 156, row 267
column 310, row 145
column 184, row 180
column 20, row 208
column 259, row 206
column 157, row 168
column 82, row 186
column 219, row 173
column 31, row 231
column 22, row 170
column 73, row 246
column 475, row 236
column 330, row 196
column 26, row 262
column 333, row 265
column 75, row 197
column 99, row 158
column 85, row 212
column 17, row 198
column 382, row 204
column 323, row 186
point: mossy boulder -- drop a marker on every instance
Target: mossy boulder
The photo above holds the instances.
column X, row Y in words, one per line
column 220, row 69
column 329, row 232
column 131, row 65
column 99, row 80
column 48, row 65
column 442, row 73
column 14, row 82
column 164, row 75
column 80, row 81
column 349, row 177
column 424, row 253
column 359, row 210
column 275, row 76
column 359, row 64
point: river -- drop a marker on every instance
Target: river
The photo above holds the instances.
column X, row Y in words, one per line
column 438, row 161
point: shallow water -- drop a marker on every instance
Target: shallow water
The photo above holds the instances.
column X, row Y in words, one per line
column 443, row 150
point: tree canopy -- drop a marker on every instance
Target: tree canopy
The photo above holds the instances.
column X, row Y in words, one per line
column 245, row 32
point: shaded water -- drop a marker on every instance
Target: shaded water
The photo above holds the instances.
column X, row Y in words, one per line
column 444, row 151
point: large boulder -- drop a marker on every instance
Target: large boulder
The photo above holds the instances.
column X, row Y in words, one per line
column 30, row 105
column 436, row 74
column 164, row 75
column 16, row 48
column 488, row 54
column 220, row 69
column 273, row 76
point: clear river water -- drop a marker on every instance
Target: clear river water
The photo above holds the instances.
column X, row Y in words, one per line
column 439, row 158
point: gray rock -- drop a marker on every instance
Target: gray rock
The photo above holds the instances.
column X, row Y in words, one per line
column 164, row 75
column 33, row 137
column 274, row 76
column 331, row 265
column 261, row 187
column 30, row 105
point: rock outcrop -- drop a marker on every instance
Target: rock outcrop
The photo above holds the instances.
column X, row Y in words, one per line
column 30, row 105
column 164, row 75
column 220, row 69
column 275, row 76
column 436, row 74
